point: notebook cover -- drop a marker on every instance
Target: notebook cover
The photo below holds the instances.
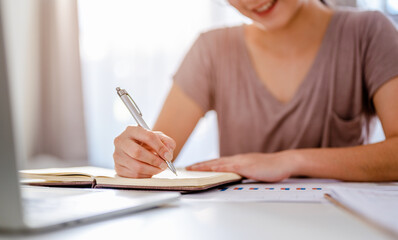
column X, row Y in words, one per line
column 173, row 188
column 77, row 184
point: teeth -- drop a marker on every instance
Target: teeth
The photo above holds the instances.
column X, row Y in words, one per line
column 265, row 7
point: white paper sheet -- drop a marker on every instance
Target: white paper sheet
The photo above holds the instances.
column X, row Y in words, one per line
column 378, row 206
column 290, row 190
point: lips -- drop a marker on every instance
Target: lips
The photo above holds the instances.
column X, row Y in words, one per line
column 265, row 7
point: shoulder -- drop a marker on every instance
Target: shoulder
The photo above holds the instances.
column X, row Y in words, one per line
column 365, row 23
column 359, row 16
column 215, row 38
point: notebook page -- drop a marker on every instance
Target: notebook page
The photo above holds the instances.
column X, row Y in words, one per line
column 184, row 174
column 167, row 179
column 71, row 171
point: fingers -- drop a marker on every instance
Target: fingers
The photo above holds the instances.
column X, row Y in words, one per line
column 137, row 152
column 123, row 171
column 201, row 166
column 224, row 168
column 216, row 165
column 127, row 167
column 168, row 141
column 140, row 153
column 151, row 139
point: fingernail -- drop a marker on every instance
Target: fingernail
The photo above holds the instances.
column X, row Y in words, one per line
column 169, row 147
column 192, row 167
column 168, row 156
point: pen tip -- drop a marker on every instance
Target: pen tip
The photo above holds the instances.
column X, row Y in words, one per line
column 174, row 170
column 171, row 167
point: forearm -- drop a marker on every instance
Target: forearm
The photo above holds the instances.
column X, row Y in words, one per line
column 178, row 117
column 373, row 162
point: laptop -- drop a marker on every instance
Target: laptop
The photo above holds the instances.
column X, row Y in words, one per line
column 24, row 208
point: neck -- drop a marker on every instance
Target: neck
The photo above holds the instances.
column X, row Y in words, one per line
column 305, row 30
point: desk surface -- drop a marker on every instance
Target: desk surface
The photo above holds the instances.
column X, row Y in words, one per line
column 192, row 219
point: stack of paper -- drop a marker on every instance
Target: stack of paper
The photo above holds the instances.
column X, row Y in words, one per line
column 379, row 207
column 289, row 190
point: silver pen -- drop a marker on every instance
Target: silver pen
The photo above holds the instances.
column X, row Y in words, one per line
column 137, row 115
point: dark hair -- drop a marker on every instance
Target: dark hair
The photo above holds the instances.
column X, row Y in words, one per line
column 324, row 2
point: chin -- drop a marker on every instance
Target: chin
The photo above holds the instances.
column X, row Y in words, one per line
column 273, row 25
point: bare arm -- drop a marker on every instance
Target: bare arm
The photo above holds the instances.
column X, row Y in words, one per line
column 373, row 162
column 178, row 117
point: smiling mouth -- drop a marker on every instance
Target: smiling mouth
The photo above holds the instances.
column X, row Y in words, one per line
column 264, row 8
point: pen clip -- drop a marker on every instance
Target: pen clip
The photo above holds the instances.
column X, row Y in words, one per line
column 122, row 92
column 135, row 105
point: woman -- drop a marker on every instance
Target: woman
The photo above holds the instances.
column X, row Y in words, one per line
column 293, row 92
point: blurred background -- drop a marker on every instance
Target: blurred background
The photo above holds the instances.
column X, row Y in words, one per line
column 68, row 56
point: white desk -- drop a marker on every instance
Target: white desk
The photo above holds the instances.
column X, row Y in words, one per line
column 191, row 219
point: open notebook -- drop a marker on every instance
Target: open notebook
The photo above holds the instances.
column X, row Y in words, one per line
column 96, row 177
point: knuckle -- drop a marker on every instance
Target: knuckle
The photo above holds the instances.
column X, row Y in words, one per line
column 158, row 162
column 115, row 157
column 152, row 160
column 163, row 149
column 151, row 137
column 235, row 167
column 137, row 153
column 129, row 129
column 167, row 140
column 116, row 141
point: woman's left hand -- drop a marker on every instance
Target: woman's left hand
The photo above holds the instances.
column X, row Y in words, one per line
column 264, row 167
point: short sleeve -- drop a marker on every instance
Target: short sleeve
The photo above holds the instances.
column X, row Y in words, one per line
column 381, row 52
column 194, row 76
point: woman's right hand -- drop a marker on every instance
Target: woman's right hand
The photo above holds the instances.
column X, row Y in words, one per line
column 137, row 152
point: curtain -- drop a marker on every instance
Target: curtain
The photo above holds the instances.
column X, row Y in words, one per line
column 44, row 69
column 60, row 131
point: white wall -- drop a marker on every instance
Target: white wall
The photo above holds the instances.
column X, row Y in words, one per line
column 138, row 45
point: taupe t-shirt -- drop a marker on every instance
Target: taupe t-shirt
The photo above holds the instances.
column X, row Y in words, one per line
column 332, row 106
